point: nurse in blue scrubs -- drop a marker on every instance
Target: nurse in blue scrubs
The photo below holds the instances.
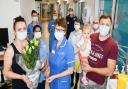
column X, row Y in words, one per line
column 51, row 29
column 61, row 62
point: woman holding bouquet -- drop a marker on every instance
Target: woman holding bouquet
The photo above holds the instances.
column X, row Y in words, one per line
column 61, row 59
column 11, row 69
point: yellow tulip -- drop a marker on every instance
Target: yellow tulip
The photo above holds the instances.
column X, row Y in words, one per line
column 32, row 41
column 24, row 52
column 30, row 50
column 33, row 47
column 26, row 48
column 36, row 42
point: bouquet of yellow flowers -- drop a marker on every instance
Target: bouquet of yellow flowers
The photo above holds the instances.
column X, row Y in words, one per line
column 31, row 51
column 31, row 61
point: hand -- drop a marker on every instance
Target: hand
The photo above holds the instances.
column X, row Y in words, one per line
column 47, row 72
column 46, row 65
column 50, row 79
column 25, row 79
column 53, row 52
column 86, row 67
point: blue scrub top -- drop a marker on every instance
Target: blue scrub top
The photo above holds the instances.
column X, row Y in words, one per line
column 43, row 54
column 51, row 28
column 60, row 62
column 30, row 29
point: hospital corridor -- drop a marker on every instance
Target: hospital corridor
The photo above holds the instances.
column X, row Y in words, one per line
column 63, row 44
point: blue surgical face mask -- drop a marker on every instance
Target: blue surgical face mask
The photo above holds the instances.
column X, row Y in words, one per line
column 77, row 27
column 104, row 30
column 35, row 19
column 95, row 26
column 21, row 35
column 37, row 35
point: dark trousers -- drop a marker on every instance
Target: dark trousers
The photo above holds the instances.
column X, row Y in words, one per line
column 41, row 85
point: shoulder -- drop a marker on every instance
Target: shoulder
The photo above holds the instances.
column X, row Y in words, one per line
column 9, row 51
column 67, row 16
column 75, row 17
column 112, row 42
column 71, row 34
column 69, row 45
column 30, row 24
column 40, row 24
column 43, row 42
column 94, row 35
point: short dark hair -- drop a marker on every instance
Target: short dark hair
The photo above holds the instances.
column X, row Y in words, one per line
column 18, row 19
column 36, row 26
column 77, row 20
column 70, row 9
column 33, row 11
column 61, row 22
column 105, row 16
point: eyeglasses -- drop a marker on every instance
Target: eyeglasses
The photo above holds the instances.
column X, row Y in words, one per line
column 105, row 24
column 59, row 30
column 95, row 23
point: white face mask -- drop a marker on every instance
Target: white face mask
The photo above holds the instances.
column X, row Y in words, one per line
column 104, row 30
column 21, row 35
column 95, row 26
column 59, row 35
column 35, row 18
column 37, row 35
column 77, row 27
column 54, row 17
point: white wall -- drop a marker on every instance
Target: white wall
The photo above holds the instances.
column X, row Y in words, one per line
column 37, row 6
column 9, row 9
column 26, row 6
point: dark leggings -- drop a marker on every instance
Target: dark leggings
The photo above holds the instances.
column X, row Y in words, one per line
column 76, row 79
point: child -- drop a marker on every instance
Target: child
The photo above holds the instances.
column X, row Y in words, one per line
column 74, row 38
column 85, row 47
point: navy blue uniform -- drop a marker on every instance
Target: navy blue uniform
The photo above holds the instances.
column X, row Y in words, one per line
column 70, row 24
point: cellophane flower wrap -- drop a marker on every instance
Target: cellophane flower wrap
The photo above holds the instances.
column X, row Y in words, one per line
column 31, row 62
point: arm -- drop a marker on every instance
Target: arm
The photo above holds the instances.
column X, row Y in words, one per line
column 8, row 57
column 65, row 73
column 70, row 63
column 107, row 71
column 76, row 48
column 67, row 19
column 111, row 62
column 49, row 27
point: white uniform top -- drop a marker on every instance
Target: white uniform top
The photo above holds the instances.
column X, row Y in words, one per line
column 74, row 38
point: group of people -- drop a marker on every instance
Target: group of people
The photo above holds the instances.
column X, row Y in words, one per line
column 87, row 54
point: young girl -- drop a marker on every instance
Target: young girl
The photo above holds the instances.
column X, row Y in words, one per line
column 74, row 38
column 85, row 47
